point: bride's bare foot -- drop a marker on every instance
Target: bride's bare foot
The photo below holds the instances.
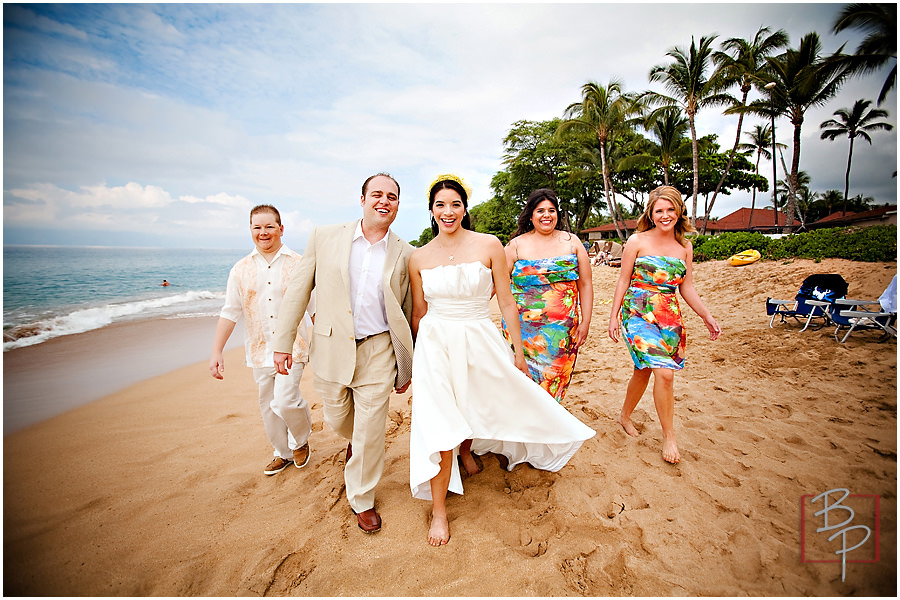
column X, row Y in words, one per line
column 469, row 463
column 628, row 426
column 670, row 451
column 439, row 534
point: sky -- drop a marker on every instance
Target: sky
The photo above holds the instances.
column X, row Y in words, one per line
column 163, row 124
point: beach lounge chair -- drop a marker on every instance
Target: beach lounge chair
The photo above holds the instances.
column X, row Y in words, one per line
column 858, row 315
column 853, row 317
column 613, row 252
column 607, row 253
column 822, row 288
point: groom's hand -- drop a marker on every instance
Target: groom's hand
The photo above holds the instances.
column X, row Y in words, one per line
column 283, row 362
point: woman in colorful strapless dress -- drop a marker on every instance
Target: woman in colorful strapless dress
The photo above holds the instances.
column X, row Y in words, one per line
column 657, row 260
column 470, row 393
column 550, row 275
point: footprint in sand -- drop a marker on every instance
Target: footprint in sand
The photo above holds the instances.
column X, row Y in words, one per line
column 290, row 574
column 782, row 411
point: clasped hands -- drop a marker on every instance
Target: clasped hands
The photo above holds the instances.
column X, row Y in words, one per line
column 284, row 361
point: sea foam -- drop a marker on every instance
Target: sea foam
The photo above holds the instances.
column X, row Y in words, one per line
column 185, row 305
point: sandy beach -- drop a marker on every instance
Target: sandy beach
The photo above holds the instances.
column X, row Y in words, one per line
column 158, row 489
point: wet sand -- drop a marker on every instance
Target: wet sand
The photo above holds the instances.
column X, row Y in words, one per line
column 48, row 379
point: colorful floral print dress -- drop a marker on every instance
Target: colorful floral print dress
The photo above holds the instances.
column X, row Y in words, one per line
column 546, row 292
column 651, row 316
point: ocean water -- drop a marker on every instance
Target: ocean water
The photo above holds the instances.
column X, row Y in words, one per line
column 50, row 291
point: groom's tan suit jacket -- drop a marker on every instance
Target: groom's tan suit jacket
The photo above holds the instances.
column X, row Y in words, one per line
column 325, row 267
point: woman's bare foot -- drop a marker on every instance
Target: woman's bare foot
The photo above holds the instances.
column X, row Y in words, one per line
column 670, row 451
column 439, row 534
column 469, row 463
column 628, row 426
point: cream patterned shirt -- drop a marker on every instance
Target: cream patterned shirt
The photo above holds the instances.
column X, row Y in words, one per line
column 255, row 289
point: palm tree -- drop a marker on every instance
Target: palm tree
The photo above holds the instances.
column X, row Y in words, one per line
column 879, row 46
column 580, row 175
column 742, row 62
column 830, row 200
column 854, row 122
column 803, row 79
column 826, row 202
column 672, row 145
column 801, row 191
column 805, row 199
column 760, row 140
column 603, row 111
column 687, row 78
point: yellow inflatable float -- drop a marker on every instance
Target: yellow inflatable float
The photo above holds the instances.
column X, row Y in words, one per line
column 744, row 258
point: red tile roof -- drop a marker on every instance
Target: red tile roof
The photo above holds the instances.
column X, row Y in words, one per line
column 739, row 220
column 629, row 223
column 837, row 218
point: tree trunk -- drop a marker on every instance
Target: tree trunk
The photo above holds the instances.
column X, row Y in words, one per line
column 696, row 164
column 775, row 180
column 847, row 176
column 606, row 185
column 737, row 142
column 612, row 189
column 791, row 208
column 583, row 215
column 753, row 199
column 787, row 178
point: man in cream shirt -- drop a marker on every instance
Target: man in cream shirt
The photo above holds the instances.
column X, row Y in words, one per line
column 256, row 285
column 361, row 346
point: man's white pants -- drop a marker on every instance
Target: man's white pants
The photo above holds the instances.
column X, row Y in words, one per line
column 285, row 414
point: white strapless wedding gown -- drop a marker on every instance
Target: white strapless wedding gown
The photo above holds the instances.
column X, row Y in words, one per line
column 465, row 385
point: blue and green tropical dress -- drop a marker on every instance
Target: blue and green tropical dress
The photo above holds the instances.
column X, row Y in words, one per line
column 546, row 293
column 651, row 316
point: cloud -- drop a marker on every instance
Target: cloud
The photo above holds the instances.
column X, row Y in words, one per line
column 130, row 207
column 218, row 200
column 193, row 113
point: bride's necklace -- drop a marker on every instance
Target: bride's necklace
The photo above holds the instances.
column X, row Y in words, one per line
column 450, row 251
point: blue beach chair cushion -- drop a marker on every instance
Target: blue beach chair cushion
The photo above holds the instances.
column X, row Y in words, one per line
column 821, row 287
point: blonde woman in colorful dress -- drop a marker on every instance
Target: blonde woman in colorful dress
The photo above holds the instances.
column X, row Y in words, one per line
column 551, row 280
column 657, row 261
column 466, row 383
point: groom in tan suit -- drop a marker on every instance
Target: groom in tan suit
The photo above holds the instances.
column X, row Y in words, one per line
column 361, row 345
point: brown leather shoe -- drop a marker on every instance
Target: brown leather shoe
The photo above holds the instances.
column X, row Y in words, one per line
column 369, row 520
column 301, row 456
column 277, row 465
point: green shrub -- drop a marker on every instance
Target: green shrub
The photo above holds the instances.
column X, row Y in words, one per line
column 720, row 247
column 868, row 244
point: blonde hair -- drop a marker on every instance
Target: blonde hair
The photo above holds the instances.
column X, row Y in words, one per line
column 682, row 223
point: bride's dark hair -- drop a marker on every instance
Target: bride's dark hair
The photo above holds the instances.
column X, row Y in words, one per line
column 449, row 184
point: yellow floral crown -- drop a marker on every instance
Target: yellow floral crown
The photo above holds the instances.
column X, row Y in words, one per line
column 450, row 177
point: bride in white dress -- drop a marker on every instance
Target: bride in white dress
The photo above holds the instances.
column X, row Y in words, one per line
column 468, row 387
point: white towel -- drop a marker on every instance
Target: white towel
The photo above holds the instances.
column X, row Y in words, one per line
column 888, row 299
